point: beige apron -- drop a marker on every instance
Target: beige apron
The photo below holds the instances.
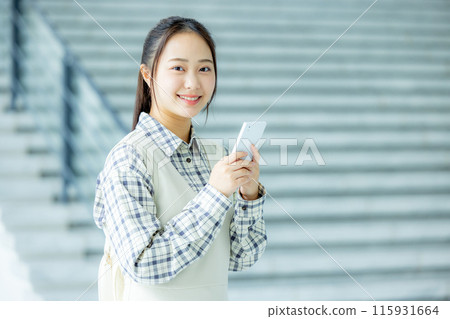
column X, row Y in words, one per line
column 204, row 279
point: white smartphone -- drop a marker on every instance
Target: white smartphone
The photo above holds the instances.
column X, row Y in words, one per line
column 250, row 133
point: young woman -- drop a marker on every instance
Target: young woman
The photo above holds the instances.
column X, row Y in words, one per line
column 175, row 219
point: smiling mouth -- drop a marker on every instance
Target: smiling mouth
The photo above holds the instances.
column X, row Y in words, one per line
column 187, row 98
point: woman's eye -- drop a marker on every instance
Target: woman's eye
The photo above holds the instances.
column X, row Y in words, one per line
column 179, row 68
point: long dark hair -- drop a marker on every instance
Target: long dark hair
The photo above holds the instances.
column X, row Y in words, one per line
column 153, row 46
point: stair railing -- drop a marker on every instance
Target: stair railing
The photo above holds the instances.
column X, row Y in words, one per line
column 78, row 122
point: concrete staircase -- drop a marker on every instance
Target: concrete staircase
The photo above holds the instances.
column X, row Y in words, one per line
column 53, row 252
column 46, row 233
column 376, row 105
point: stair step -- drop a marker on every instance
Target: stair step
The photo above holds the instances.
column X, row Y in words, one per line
column 63, row 273
column 274, row 159
column 354, row 207
column 49, row 244
column 355, row 40
column 358, row 183
column 28, row 217
column 358, row 233
column 22, row 143
column 379, row 17
column 44, row 215
column 294, row 119
column 305, row 262
column 36, row 189
column 37, row 166
column 4, row 81
column 398, row 286
column 288, row 4
column 17, row 122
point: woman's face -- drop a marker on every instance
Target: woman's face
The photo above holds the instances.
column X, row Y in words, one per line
column 185, row 76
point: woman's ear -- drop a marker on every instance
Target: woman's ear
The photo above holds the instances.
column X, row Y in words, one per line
column 145, row 74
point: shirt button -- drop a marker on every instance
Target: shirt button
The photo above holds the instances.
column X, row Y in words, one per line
column 188, row 160
column 244, row 207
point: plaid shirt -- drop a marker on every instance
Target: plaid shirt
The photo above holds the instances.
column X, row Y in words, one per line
column 150, row 252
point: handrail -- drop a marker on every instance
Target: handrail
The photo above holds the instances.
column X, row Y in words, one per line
column 67, row 74
column 16, row 11
column 76, row 64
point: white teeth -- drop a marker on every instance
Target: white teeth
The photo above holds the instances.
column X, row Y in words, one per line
column 190, row 98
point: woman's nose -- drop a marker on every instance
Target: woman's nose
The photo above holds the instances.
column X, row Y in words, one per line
column 191, row 81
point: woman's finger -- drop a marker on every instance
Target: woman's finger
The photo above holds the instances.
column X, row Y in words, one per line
column 243, row 162
column 240, row 164
column 255, row 153
column 233, row 157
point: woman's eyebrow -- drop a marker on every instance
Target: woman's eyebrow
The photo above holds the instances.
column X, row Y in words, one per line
column 186, row 60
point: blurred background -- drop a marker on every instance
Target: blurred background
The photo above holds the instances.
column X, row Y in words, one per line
column 377, row 106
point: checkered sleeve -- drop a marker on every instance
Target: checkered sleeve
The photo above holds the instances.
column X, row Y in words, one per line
column 149, row 252
column 247, row 232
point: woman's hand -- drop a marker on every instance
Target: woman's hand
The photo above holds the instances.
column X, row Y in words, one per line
column 249, row 190
column 231, row 172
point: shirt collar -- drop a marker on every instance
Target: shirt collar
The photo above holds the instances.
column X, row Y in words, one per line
column 167, row 141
